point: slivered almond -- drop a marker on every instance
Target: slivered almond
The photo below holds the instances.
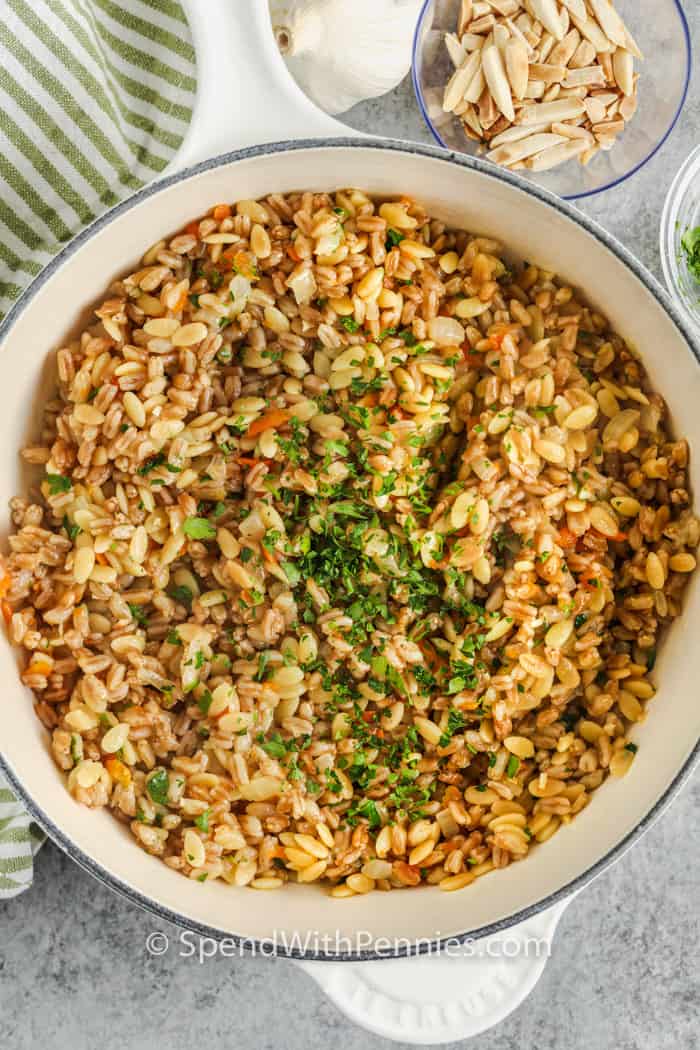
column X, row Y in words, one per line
column 472, row 41
column 535, row 89
column 609, row 21
column 505, row 7
column 585, row 77
column 471, row 119
column 476, row 88
column 562, row 109
column 605, row 62
column 455, row 49
column 460, row 81
column 574, row 92
column 628, row 107
column 547, row 12
column 495, row 76
column 517, row 32
column 591, row 30
column 532, row 37
column 482, row 25
column 501, row 36
column 517, row 66
column 571, row 131
column 515, row 151
column 606, row 97
column 631, row 45
column 515, row 132
column 547, row 45
column 562, row 52
column 584, row 55
column 551, row 158
column 465, row 16
column 472, row 134
column 576, row 7
column 595, row 110
column 623, row 69
column 609, row 127
column 549, row 73
column 501, row 124
column 488, row 110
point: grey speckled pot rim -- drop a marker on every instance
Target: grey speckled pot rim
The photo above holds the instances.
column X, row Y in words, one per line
column 148, row 904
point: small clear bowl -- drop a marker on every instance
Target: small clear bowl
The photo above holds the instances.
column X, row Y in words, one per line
column 682, row 212
column 661, row 30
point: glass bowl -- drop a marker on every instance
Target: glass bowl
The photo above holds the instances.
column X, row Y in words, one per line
column 682, row 212
column 661, row 30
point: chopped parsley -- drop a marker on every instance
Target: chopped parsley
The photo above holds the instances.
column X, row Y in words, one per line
column 72, row 530
column 198, row 529
column 202, row 821
column 157, row 787
column 138, row 613
column 690, row 243
column 58, row 483
column 393, row 237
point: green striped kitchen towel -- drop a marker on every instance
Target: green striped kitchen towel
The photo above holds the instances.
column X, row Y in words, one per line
column 95, row 99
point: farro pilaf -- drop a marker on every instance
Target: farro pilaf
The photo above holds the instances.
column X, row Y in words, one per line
column 352, row 549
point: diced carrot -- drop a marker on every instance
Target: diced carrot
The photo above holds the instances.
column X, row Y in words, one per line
column 226, row 259
column 40, row 667
column 473, row 357
column 101, row 559
column 247, row 597
column 6, row 611
column 221, row 211
column 590, row 581
column 269, row 556
column 118, row 771
column 244, row 264
column 248, row 461
column 619, row 537
column 193, row 228
column 273, row 419
column 370, row 400
column 5, row 584
column 567, row 538
column 293, row 253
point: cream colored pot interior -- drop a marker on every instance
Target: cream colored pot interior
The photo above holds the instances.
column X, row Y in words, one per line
column 529, row 228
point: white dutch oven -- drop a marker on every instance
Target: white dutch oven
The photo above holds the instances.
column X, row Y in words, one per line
column 246, row 97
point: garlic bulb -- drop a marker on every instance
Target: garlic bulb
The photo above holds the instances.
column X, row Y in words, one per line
column 341, row 53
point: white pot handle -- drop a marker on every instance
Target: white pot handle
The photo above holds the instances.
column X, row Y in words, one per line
column 245, row 93
column 448, row 997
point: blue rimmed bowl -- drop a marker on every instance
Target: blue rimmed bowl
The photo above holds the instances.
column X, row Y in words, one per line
column 660, row 28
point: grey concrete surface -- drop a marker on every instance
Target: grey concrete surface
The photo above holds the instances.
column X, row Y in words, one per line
column 625, row 969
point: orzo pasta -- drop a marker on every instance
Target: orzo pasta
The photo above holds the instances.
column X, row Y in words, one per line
column 351, row 550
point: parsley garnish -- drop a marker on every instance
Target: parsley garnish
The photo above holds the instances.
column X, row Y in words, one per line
column 58, row 483
column 198, row 529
